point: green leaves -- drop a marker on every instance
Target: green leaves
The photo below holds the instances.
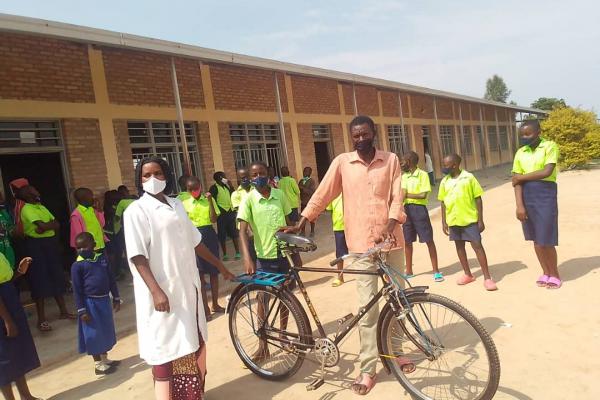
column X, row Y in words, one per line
column 496, row 89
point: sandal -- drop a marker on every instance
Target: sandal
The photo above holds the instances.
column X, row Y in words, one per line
column 337, row 282
column 363, row 384
column 407, row 366
column 44, row 326
column 438, row 277
column 542, row 281
column 553, row 283
column 218, row 310
column 465, row 280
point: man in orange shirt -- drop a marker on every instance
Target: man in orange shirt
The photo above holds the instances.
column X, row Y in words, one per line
column 369, row 180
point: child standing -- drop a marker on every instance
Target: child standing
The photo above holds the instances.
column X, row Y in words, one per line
column 92, row 282
column 203, row 212
column 85, row 218
column 290, row 188
column 534, row 180
column 462, row 216
column 307, row 187
column 18, row 354
column 226, row 226
column 341, row 248
column 416, row 187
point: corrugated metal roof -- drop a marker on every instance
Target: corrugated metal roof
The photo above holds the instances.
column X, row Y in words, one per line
column 85, row 34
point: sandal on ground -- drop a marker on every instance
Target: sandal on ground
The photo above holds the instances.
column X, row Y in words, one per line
column 542, row 281
column 44, row 326
column 68, row 316
column 490, row 285
column 363, row 384
column 408, row 276
column 337, row 282
column 218, row 309
column 553, row 283
column 406, row 365
column 465, row 280
column 438, row 277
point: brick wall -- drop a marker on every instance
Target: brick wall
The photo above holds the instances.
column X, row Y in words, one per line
column 315, row 95
column 337, row 139
column 366, row 100
column 245, row 89
column 348, row 98
column 124, row 153
column 226, row 152
column 422, row 106
column 307, row 148
column 389, row 103
column 85, row 155
column 37, row 68
column 488, row 113
column 444, row 109
column 290, row 146
column 143, row 78
column 205, row 150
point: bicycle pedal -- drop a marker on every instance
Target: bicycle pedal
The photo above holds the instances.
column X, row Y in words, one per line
column 314, row 385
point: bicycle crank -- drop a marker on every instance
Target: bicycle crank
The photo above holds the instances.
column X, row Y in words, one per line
column 327, row 352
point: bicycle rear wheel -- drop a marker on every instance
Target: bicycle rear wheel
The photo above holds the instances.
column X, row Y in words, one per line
column 259, row 344
column 463, row 362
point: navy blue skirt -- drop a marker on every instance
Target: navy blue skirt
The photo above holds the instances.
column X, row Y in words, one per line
column 98, row 335
column 210, row 240
column 18, row 355
column 417, row 223
column 541, row 225
column 45, row 275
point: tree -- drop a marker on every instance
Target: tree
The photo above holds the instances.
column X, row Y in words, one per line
column 548, row 103
column 496, row 89
column 577, row 134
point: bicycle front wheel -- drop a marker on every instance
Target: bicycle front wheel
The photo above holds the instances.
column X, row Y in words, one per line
column 440, row 350
column 268, row 328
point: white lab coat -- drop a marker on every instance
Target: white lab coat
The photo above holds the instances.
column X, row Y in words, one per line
column 166, row 237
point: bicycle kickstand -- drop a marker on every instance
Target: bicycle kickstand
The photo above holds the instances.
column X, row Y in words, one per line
column 317, row 382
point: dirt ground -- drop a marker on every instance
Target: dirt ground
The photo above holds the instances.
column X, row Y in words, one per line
column 548, row 341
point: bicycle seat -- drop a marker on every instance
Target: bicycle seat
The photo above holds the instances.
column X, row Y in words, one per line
column 298, row 242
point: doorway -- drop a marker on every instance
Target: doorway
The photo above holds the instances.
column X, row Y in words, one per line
column 323, row 158
column 45, row 172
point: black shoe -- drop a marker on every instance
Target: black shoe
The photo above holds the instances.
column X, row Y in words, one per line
column 108, row 369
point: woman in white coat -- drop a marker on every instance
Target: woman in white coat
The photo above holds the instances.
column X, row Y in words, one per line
column 161, row 242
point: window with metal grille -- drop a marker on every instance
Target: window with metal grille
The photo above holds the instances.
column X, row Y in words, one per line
column 256, row 142
column 447, row 138
column 321, row 133
column 30, row 135
column 162, row 139
column 492, row 138
column 503, row 138
column 467, row 141
column 398, row 139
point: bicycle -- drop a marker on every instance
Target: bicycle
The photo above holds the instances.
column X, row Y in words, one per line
column 432, row 359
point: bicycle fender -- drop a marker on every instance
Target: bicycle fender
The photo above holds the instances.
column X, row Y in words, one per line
column 234, row 295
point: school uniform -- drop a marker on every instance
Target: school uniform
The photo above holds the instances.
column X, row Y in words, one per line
column 265, row 216
column 237, row 197
column 18, row 355
column 290, row 188
column 539, row 197
column 337, row 220
column 226, row 220
column 458, row 195
column 45, row 275
column 88, row 219
column 199, row 212
column 417, row 216
column 92, row 283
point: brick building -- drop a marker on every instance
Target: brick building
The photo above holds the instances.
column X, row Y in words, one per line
column 80, row 106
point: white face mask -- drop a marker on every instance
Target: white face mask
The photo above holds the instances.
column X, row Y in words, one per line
column 154, row 186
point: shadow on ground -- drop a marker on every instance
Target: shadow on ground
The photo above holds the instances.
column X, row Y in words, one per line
column 498, row 271
column 578, row 267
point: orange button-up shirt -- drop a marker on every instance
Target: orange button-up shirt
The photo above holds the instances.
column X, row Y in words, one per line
column 372, row 196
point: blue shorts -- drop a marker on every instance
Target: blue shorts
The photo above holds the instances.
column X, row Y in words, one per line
column 417, row 223
column 541, row 225
column 341, row 248
column 294, row 216
column 469, row 233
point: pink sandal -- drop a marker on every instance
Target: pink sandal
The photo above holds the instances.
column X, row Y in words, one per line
column 542, row 281
column 465, row 279
column 553, row 283
column 363, row 384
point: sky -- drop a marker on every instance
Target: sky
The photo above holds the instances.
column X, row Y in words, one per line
column 542, row 48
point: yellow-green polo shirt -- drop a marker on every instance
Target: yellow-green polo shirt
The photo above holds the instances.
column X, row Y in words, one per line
column 337, row 213
column 530, row 160
column 238, row 196
column 6, row 271
column 415, row 183
column 32, row 213
column 265, row 216
column 223, row 197
column 458, row 195
column 199, row 210
column 121, row 207
column 289, row 187
column 92, row 225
